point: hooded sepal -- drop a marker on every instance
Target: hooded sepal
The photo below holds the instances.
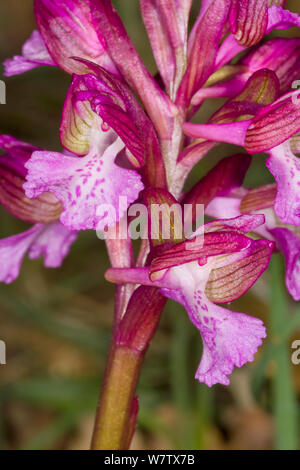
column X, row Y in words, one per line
column 101, row 101
column 113, row 35
column 249, row 20
column 44, row 209
column 231, row 122
column 67, row 29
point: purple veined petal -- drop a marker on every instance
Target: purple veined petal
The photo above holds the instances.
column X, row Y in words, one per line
column 229, row 282
column 285, row 167
column 210, row 245
column 50, row 240
column 229, row 339
column 258, row 199
column 203, row 50
column 282, row 55
column 289, row 244
column 274, row 124
column 67, row 29
column 112, row 34
column 249, row 20
column 158, row 233
column 53, row 243
column 278, row 18
column 233, row 132
column 84, row 185
column 34, row 54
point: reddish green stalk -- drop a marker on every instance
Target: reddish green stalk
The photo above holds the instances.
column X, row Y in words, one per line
column 133, row 331
column 113, row 421
column 118, row 406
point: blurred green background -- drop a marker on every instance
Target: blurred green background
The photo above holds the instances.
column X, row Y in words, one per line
column 56, row 323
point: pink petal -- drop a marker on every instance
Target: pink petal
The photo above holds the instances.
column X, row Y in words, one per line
column 229, row 338
column 289, row 244
column 53, row 241
column 281, row 19
column 223, row 205
column 34, row 54
column 233, row 132
column 84, row 185
column 285, row 167
column 12, row 252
